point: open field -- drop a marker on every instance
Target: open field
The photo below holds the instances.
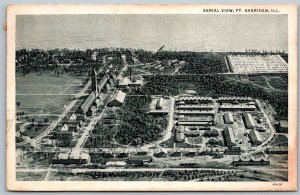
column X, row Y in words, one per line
column 31, row 176
column 42, row 104
column 278, row 82
column 36, row 92
column 47, row 78
column 47, row 89
column 259, row 80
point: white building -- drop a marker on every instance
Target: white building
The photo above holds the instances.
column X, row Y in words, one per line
column 117, row 99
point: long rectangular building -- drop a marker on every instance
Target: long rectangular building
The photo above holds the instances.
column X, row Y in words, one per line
column 85, row 106
column 228, row 118
column 195, row 112
column 195, row 107
column 195, row 123
column 257, row 63
column 248, row 119
column 233, row 99
column 193, row 100
column 229, row 137
column 237, row 107
column 255, row 138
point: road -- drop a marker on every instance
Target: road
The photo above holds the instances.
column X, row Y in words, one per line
column 55, row 122
column 91, row 125
column 261, row 147
column 168, row 133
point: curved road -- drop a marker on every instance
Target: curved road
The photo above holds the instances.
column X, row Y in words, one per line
column 168, row 133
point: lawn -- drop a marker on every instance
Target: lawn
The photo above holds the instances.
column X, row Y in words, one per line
column 279, row 140
column 42, row 104
column 259, row 80
column 278, row 82
column 31, row 176
column 47, row 78
column 45, row 83
column 195, row 140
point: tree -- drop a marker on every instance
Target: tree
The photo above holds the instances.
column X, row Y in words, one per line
column 46, row 120
column 212, row 142
column 18, row 104
column 32, row 120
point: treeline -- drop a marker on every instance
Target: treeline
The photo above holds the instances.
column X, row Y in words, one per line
column 136, row 128
column 36, row 59
column 169, row 175
column 221, row 86
column 218, row 85
column 197, row 62
column 157, row 88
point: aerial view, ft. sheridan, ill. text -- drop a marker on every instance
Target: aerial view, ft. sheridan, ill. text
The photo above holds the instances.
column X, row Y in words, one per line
column 140, row 97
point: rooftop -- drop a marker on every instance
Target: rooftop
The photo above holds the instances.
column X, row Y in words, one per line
column 119, row 96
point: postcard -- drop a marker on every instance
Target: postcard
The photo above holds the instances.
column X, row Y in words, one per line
column 152, row 97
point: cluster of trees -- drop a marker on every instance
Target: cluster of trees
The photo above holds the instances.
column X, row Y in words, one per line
column 157, row 88
column 100, row 157
column 38, row 59
column 20, row 114
column 205, row 64
column 99, row 141
column 32, row 129
column 197, row 62
column 222, row 86
column 188, row 175
column 136, row 128
column 219, row 85
column 170, row 175
column 126, row 174
column 102, row 135
column 212, row 133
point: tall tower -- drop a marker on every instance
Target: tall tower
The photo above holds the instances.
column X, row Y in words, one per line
column 94, row 81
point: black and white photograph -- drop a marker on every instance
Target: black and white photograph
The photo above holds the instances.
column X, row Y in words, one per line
column 154, row 97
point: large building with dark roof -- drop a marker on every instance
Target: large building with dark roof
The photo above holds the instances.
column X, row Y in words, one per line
column 248, row 119
column 86, row 105
column 90, row 105
column 229, row 137
column 255, row 138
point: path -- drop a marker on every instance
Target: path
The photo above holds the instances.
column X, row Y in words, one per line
column 48, row 172
column 91, row 126
column 168, row 133
column 55, row 122
column 262, row 146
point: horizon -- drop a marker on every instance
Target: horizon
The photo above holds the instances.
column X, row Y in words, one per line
column 163, row 50
column 198, row 33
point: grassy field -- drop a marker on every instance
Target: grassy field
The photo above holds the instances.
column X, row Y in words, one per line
column 46, row 78
column 42, row 104
column 279, row 140
column 259, row 80
column 278, row 82
column 47, row 85
column 31, row 176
